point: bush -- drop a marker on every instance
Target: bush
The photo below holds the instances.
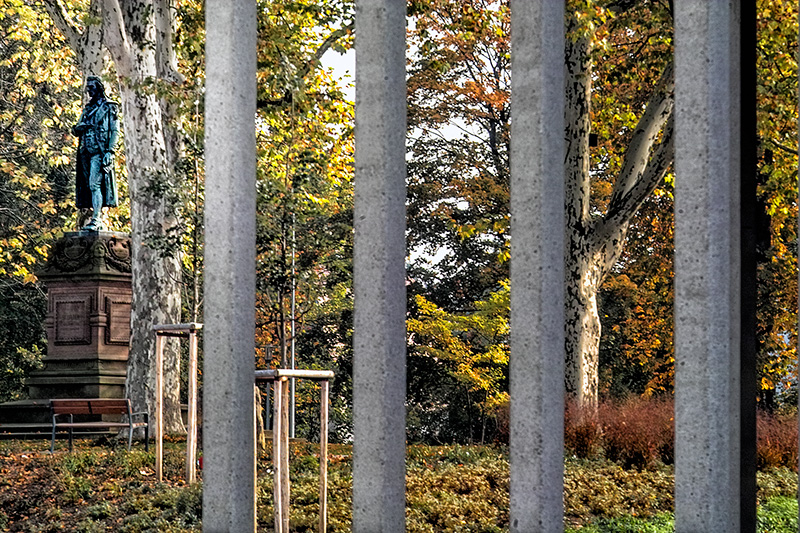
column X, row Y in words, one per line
column 599, row 488
column 777, row 441
column 781, row 481
column 456, row 488
column 502, row 416
column 638, row 432
column 635, row 433
column 582, row 431
column 22, row 312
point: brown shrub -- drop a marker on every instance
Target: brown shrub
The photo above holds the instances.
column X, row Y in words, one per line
column 638, row 432
column 777, row 441
column 582, row 431
column 502, row 418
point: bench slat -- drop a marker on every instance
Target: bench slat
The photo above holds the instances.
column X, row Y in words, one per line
column 91, row 406
column 78, row 425
column 94, row 406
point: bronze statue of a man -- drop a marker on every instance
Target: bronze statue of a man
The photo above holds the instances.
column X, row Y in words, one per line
column 97, row 131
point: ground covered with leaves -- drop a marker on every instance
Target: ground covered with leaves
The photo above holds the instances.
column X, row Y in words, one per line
column 103, row 487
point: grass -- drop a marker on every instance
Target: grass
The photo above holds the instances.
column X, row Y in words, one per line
column 449, row 489
column 776, row 515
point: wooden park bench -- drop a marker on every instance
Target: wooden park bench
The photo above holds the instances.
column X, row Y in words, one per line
column 65, row 410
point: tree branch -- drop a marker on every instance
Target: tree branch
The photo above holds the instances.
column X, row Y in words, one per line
column 287, row 97
column 658, row 110
column 787, row 149
column 64, row 23
column 621, row 212
column 116, row 39
column 165, row 52
column 325, row 46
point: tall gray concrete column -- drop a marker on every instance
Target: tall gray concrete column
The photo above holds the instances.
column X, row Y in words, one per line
column 537, row 266
column 228, row 415
column 707, row 266
column 379, row 380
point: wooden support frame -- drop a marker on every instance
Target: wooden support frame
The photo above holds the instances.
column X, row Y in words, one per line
column 280, row 440
column 189, row 331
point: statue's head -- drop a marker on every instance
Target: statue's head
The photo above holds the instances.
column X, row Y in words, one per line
column 94, row 86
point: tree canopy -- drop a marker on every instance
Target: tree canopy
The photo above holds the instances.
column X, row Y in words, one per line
column 619, row 188
column 39, row 97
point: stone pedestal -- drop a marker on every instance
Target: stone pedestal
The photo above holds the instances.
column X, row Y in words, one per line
column 88, row 280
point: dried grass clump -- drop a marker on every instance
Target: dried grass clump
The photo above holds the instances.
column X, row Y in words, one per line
column 583, row 435
column 777, row 441
column 639, row 432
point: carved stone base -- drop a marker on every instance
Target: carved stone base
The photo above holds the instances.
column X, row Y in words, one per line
column 79, row 378
column 88, row 280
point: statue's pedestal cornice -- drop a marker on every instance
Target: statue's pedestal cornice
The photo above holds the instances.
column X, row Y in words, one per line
column 89, row 254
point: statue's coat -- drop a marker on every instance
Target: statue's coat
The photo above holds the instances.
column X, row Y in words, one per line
column 107, row 130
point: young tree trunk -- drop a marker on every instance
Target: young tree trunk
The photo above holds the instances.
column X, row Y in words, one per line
column 595, row 241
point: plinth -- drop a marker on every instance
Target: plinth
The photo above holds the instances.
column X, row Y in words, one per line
column 88, row 281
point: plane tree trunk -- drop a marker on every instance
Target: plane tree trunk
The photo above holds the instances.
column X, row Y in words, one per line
column 595, row 240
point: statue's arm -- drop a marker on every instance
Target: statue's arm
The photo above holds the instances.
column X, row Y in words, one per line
column 113, row 127
column 79, row 128
column 112, row 132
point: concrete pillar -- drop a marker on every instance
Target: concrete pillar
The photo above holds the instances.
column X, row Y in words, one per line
column 537, row 266
column 379, row 380
column 228, row 414
column 707, row 266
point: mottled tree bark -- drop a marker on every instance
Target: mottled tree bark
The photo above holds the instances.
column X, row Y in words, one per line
column 581, row 319
column 594, row 240
column 87, row 43
column 137, row 34
column 137, row 48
